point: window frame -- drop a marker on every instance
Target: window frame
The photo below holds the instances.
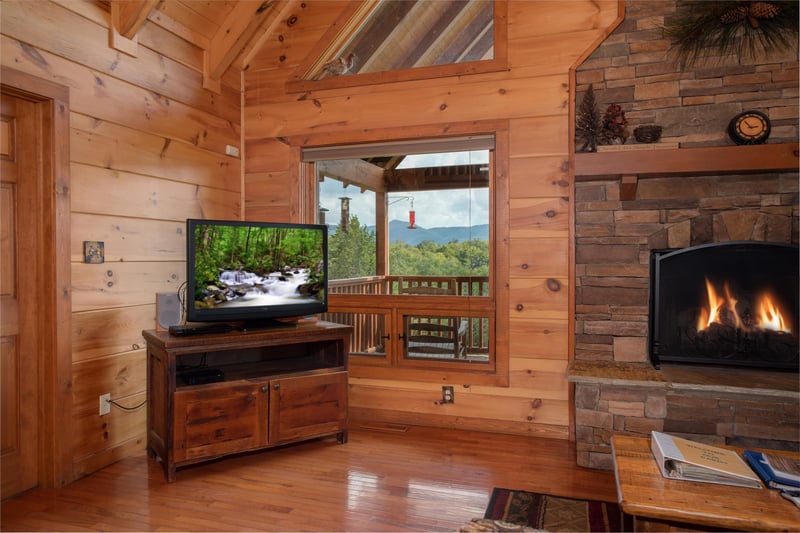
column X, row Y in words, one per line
column 494, row 306
column 298, row 84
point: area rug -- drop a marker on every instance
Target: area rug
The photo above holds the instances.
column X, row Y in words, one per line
column 553, row 513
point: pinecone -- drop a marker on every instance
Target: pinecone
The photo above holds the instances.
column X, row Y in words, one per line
column 763, row 10
column 736, row 14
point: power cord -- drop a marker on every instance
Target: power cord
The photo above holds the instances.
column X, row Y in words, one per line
column 124, row 408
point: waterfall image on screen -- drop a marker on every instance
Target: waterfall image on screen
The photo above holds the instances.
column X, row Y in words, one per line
column 244, row 271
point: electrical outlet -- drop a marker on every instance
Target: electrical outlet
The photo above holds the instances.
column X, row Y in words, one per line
column 448, row 395
column 105, row 404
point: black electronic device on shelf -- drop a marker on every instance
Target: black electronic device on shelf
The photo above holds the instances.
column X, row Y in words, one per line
column 201, row 376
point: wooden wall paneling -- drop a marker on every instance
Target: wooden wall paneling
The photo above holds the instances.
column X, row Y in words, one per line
column 179, row 18
column 122, row 376
column 539, row 176
column 129, row 239
column 108, row 98
column 539, row 218
column 136, row 195
column 544, row 55
column 268, row 213
column 267, row 190
column 550, row 18
column 179, row 50
column 110, row 332
column 541, row 136
column 119, row 426
column 408, row 104
column 532, row 258
column 476, row 406
column 539, row 298
column 149, row 69
column 109, row 145
column 541, row 421
column 540, row 338
column 267, row 155
column 107, row 285
column 548, row 377
column 534, row 429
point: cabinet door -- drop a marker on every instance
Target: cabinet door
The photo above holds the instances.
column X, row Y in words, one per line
column 219, row 419
column 307, row 406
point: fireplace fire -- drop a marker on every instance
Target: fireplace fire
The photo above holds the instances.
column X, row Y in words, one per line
column 733, row 304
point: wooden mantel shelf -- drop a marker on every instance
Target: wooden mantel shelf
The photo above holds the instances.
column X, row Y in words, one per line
column 629, row 166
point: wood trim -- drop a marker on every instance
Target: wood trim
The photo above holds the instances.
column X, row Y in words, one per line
column 571, row 142
column 399, row 134
column 499, row 244
column 498, row 304
column 127, row 16
column 687, row 161
column 55, row 327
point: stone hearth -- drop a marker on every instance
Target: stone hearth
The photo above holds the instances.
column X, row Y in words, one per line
column 616, row 388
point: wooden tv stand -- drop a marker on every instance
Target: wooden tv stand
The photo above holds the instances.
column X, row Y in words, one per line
column 277, row 386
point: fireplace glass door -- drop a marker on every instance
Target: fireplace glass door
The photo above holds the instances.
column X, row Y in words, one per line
column 732, row 304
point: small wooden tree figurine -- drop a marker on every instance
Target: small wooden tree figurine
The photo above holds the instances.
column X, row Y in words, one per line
column 587, row 123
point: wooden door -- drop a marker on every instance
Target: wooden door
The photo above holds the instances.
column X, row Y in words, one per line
column 307, row 406
column 219, row 419
column 18, row 346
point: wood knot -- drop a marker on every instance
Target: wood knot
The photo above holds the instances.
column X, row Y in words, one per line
column 537, row 403
column 520, row 307
column 524, row 266
column 291, row 21
column 550, row 214
column 553, row 284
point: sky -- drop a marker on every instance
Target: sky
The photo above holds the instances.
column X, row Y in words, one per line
column 433, row 209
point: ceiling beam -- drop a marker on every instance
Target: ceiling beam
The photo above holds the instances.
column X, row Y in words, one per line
column 233, row 35
column 127, row 16
column 281, row 12
column 356, row 172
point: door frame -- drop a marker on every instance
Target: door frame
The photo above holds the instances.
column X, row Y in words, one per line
column 54, row 292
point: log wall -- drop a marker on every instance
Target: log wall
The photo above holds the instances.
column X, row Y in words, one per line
column 545, row 39
column 147, row 150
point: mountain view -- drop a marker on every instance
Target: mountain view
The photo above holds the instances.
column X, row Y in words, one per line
column 399, row 232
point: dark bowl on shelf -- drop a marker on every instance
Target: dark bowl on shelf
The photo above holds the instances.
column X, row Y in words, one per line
column 647, row 134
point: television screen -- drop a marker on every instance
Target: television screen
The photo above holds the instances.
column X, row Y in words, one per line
column 255, row 271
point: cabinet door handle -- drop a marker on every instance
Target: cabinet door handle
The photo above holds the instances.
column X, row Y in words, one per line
column 276, row 386
column 265, row 388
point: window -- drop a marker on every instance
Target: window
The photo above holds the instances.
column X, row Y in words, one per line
column 397, row 40
column 410, row 247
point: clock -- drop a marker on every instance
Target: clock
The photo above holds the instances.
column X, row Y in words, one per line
column 749, row 127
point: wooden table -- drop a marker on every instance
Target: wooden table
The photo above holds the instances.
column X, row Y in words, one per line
column 660, row 504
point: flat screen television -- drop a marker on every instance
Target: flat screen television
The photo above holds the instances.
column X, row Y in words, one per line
column 255, row 272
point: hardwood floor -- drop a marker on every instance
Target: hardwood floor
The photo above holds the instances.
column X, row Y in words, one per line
column 383, row 479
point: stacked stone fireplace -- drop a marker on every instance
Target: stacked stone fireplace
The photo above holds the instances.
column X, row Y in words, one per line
column 617, row 387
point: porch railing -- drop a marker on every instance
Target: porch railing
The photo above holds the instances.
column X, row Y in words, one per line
column 370, row 329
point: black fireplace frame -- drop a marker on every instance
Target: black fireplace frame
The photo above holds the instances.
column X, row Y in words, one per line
column 659, row 354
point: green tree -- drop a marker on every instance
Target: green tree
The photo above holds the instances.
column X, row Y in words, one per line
column 352, row 253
